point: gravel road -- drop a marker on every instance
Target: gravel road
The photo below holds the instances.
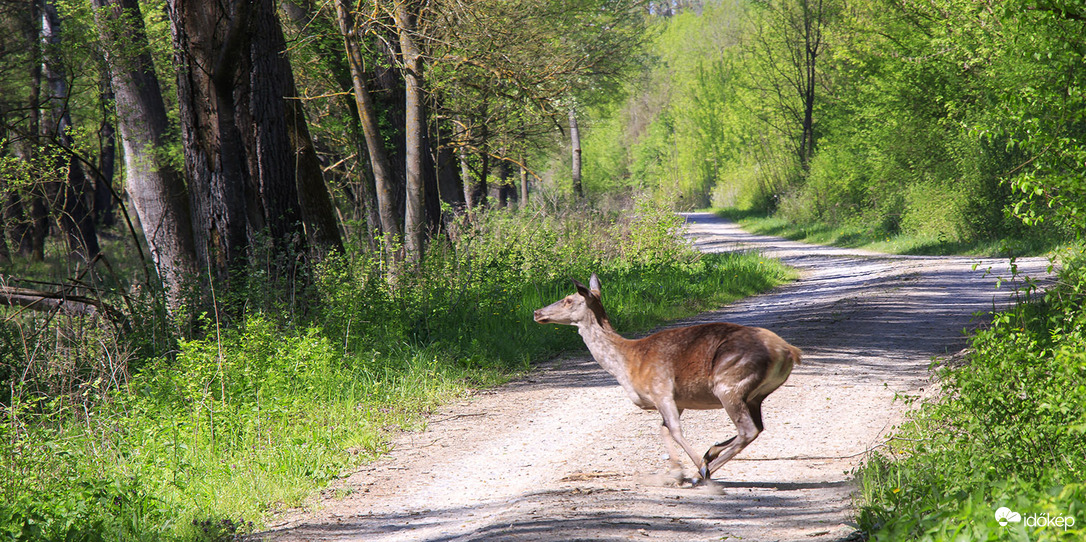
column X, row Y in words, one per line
column 564, row 455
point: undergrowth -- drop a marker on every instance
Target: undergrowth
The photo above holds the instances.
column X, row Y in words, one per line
column 1008, row 431
column 202, row 442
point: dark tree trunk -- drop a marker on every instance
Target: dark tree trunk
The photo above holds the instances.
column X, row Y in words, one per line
column 308, row 192
column 507, row 193
column 482, row 187
column 450, row 185
column 430, row 178
column 107, row 156
column 157, row 189
column 575, row 146
column 247, row 150
column 33, row 227
column 210, row 39
column 272, row 196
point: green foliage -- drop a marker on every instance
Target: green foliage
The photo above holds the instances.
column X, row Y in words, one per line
column 949, row 120
column 1006, row 431
column 693, row 120
column 255, row 416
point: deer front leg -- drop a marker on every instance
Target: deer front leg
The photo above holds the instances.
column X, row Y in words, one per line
column 675, row 468
column 672, row 431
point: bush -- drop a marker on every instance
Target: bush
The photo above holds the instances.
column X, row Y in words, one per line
column 1008, row 431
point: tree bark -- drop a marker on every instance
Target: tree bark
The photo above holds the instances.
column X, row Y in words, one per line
column 414, row 133
column 156, row 188
column 209, row 41
column 247, row 151
column 107, row 144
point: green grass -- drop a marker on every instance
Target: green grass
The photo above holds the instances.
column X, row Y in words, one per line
column 878, row 240
column 204, row 441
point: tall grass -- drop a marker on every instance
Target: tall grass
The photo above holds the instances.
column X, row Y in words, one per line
column 203, row 441
column 1009, row 430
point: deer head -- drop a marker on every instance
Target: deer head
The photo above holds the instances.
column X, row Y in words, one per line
column 580, row 308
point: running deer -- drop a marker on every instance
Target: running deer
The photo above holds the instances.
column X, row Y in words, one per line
column 701, row 367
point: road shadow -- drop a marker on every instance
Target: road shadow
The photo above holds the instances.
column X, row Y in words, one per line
column 597, row 513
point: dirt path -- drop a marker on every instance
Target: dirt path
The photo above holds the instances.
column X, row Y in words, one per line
column 564, row 455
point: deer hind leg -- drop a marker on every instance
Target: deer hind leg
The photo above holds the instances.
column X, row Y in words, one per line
column 747, row 416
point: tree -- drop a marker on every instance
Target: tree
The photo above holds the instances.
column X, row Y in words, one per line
column 575, row 149
column 67, row 198
column 367, row 116
column 406, row 13
column 155, row 185
column 246, row 148
column 508, row 70
column 789, row 40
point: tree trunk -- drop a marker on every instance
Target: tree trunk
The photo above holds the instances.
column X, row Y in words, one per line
column 450, row 184
column 210, row 39
column 482, row 187
column 466, row 178
column 303, row 13
column 812, row 39
column 291, row 195
column 414, row 133
column 382, row 168
column 68, row 198
column 575, row 146
column 156, row 188
column 36, row 227
column 523, row 184
column 107, row 143
column 5, row 189
column 22, row 232
column 507, row 193
column 246, row 149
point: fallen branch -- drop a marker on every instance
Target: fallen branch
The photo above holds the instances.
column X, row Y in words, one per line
column 71, row 305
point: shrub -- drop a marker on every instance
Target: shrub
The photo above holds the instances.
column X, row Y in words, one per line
column 1007, row 431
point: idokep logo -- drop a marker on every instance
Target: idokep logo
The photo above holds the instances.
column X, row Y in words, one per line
column 1005, row 515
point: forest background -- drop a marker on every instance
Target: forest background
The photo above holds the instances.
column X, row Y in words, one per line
column 243, row 241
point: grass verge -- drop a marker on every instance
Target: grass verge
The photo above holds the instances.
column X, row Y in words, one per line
column 201, row 442
column 878, row 240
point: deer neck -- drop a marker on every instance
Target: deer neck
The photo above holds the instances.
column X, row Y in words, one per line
column 605, row 345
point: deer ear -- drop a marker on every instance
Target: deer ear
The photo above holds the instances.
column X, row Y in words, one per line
column 594, row 283
column 581, row 288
